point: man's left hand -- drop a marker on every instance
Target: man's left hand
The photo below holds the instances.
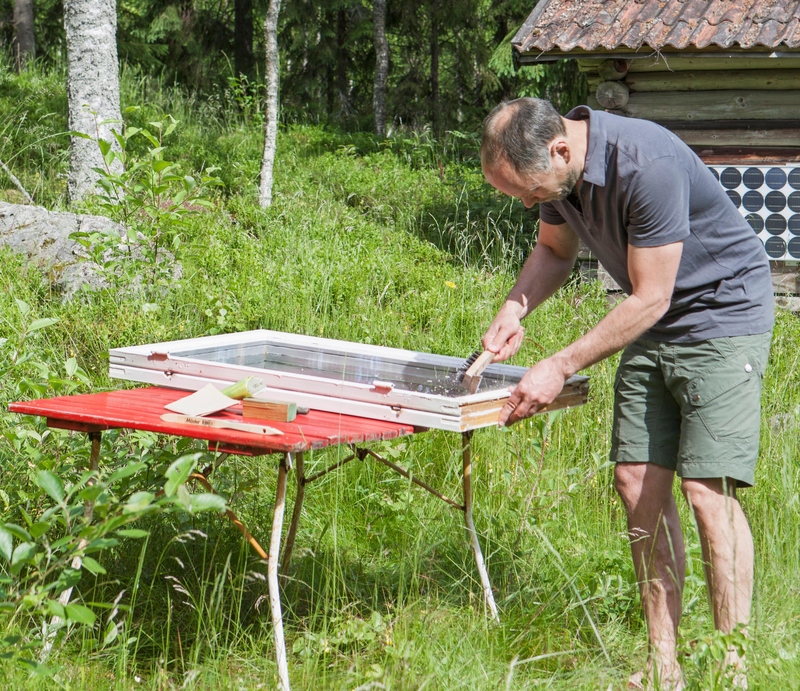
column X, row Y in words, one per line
column 538, row 387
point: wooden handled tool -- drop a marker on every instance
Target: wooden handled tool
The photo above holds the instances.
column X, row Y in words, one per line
column 218, row 424
column 472, row 377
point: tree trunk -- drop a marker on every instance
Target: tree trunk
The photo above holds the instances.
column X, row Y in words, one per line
column 435, row 119
column 243, row 37
column 381, row 66
column 92, row 88
column 271, row 125
column 342, row 87
column 24, row 38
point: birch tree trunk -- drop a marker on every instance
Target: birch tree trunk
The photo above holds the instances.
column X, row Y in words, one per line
column 381, row 66
column 271, row 125
column 24, row 38
column 92, row 88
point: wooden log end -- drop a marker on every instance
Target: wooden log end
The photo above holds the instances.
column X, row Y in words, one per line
column 613, row 70
column 613, row 95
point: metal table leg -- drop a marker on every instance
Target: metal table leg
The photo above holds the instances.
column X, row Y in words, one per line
column 272, row 573
column 298, row 507
column 466, row 457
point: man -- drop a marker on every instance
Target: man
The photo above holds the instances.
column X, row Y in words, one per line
column 695, row 326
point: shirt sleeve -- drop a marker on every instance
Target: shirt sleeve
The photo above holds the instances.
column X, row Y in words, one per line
column 548, row 214
column 658, row 204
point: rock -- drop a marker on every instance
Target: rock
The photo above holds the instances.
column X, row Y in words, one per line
column 43, row 236
column 780, row 422
column 788, row 302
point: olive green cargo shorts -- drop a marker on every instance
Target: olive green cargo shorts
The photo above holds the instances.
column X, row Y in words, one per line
column 691, row 407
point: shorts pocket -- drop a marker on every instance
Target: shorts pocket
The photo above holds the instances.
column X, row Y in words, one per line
column 727, row 398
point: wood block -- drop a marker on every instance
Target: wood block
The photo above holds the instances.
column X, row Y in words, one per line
column 269, row 410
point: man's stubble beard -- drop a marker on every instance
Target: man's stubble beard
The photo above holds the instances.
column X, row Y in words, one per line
column 568, row 185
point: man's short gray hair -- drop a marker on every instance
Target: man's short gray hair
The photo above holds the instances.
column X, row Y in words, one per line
column 519, row 132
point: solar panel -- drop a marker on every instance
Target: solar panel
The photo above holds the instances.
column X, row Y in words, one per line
column 769, row 199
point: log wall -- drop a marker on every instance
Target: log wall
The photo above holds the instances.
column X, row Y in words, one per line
column 729, row 110
column 711, row 103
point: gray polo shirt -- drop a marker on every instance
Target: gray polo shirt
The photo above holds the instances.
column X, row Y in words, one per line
column 643, row 186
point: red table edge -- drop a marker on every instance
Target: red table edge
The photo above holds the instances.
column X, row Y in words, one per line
column 58, row 415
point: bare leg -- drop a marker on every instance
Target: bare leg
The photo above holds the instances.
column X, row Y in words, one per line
column 728, row 554
column 659, row 559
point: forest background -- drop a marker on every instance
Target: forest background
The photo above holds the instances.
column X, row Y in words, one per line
column 392, row 239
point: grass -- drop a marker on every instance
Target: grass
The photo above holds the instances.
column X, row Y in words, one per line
column 398, row 244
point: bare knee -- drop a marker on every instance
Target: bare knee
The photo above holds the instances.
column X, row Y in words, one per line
column 708, row 496
column 628, row 481
column 642, row 482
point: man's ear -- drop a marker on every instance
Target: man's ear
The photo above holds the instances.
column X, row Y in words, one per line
column 560, row 149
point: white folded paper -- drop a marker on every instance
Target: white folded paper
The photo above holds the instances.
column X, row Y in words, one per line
column 207, row 400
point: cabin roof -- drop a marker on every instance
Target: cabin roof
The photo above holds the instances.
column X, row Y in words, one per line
column 595, row 26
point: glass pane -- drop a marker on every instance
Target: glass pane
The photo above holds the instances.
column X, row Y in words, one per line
column 362, row 369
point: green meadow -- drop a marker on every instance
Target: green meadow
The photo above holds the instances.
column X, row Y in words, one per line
column 398, row 243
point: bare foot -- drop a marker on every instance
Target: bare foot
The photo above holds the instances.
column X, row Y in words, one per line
column 636, row 682
column 736, row 669
column 668, row 682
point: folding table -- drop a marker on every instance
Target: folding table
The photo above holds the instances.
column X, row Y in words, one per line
column 142, row 408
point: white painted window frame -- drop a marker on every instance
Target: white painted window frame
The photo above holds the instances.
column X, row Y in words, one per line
column 156, row 363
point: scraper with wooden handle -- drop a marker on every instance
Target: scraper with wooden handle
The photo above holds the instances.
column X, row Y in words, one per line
column 216, row 423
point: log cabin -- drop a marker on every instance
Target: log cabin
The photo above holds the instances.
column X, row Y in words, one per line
column 723, row 75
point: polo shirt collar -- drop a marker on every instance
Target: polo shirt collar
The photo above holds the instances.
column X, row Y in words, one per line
column 594, row 169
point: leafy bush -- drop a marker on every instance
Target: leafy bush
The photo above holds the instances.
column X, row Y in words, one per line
column 152, row 199
column 64, row 516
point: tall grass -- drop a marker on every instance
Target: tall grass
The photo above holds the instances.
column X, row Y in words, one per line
column 388, row 244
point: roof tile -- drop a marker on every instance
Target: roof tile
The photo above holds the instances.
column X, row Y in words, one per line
column 564, row 25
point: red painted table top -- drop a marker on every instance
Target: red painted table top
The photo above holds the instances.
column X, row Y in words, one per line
column 142, row 409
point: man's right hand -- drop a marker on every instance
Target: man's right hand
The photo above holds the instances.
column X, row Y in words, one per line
column 504, row 335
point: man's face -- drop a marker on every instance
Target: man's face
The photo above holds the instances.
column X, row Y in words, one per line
column 534, row 188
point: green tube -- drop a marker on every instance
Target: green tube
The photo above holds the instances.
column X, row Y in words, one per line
column 244, row 388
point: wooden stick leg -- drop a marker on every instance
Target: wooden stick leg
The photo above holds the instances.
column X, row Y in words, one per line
column 272, row 574
column 466, row 456
column 298, row 507
column 203, row 480
column 51, row 629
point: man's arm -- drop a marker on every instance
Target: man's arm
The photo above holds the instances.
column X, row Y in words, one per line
column 652, row 271
column 549, row 265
